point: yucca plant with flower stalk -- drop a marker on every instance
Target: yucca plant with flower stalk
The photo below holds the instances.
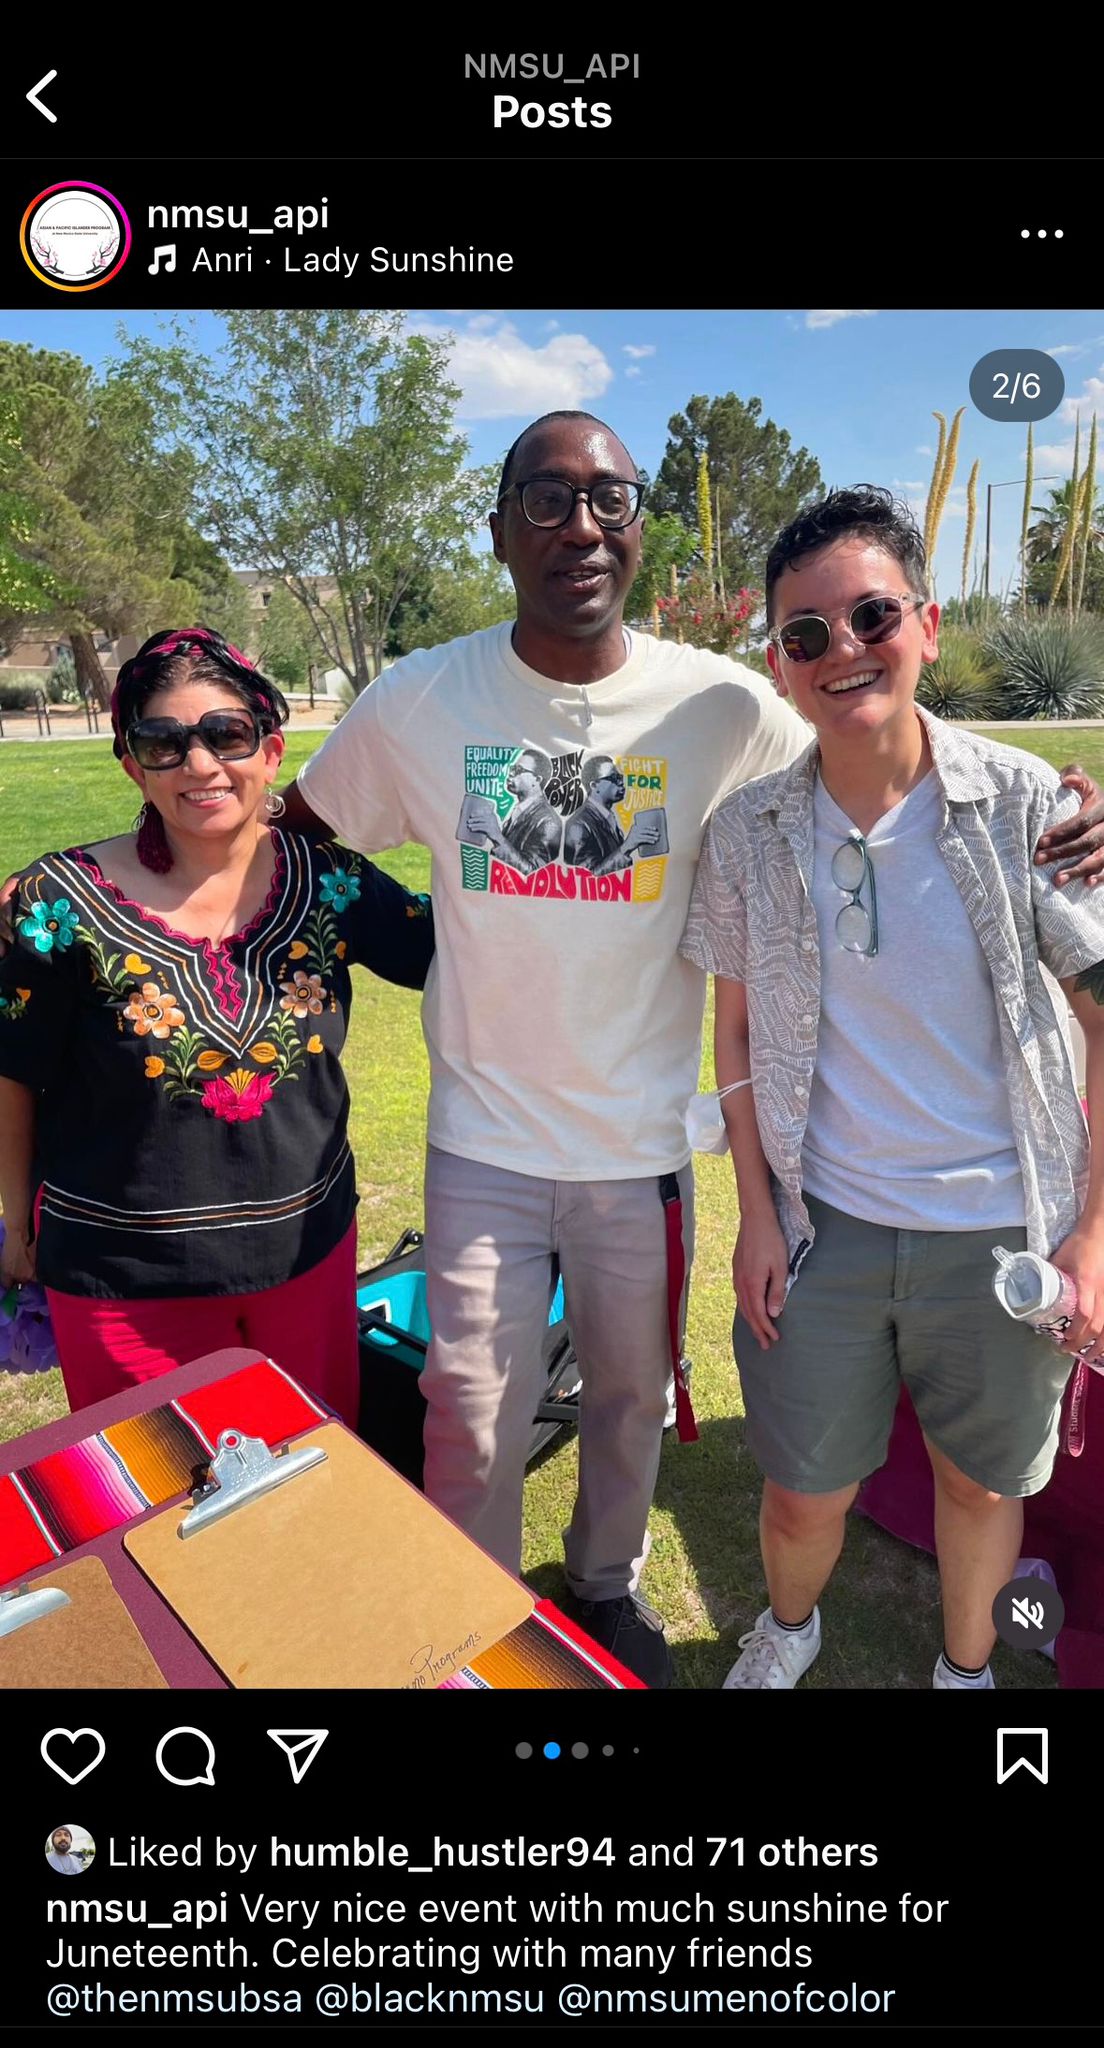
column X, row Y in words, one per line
column 705, row 517
column 942, row 480
column 1072, row 524
column 971, row 522
column 1089, row 502
column 1029, row 485
column 933, row 487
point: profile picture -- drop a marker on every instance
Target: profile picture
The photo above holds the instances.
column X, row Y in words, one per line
column 69, row 1850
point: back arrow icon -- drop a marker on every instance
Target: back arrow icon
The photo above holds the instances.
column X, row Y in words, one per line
column 34, row 99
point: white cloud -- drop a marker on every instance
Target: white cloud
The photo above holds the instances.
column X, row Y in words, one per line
column 832, row 319
column 503, row 376
column 902, row 484
column 634, row 370
column 1088, row 400
column 1055, row 455
column 551, row 326
column 925, row 451
column 1076, row 348
column 638, row 349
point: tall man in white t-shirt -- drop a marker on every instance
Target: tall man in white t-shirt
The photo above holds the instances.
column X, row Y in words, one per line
column 555, row 1110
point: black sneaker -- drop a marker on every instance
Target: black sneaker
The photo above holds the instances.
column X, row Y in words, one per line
column 631, row 1632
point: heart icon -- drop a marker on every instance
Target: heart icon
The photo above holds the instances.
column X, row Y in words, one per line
column 72, row 1736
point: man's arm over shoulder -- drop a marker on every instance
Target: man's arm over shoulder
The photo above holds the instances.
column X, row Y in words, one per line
column 1069, row 921
column 770, row 734
column 354, row 785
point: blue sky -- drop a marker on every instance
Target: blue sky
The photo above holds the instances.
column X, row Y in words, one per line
column 858, row 389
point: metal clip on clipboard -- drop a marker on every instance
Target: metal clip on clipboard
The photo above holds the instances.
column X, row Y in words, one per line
column 243, row 1469
column 28, row 1603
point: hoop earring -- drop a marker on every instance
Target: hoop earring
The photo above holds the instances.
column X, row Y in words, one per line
column 274, row 804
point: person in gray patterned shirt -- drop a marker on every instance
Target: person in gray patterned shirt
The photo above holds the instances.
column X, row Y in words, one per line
column 887, row 952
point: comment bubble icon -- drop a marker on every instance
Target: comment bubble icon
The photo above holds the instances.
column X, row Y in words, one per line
column 193, row 1746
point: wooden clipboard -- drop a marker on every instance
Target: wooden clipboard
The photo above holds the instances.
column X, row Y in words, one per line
column 90, row 1642
column 344, row 1576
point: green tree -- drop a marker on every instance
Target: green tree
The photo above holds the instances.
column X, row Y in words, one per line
column 447, row 604
column 102, row 511
column 217, row 596
column 286, row 645
column 26, row 586
column 667, row 545
column 763, row 480
column 327, row 458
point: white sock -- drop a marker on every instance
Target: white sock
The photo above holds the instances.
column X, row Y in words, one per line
column 955, row 1678
column 799, row 1635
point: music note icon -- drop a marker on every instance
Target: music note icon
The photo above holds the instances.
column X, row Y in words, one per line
column 168, row 251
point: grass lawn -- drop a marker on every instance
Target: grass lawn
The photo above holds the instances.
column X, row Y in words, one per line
column 881, row 1624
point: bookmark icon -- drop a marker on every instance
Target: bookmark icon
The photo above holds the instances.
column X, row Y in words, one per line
column 300, row 1746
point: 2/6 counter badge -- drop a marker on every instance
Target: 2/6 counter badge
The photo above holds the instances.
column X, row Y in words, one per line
column 75, row 236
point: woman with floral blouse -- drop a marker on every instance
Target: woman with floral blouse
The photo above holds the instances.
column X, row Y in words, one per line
column 172, row 1017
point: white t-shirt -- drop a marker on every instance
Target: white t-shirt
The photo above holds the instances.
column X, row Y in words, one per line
column 910, row 1123
column 563, row 1027
column 68, row 1864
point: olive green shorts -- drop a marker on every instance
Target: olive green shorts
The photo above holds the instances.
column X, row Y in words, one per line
column 873, row 1307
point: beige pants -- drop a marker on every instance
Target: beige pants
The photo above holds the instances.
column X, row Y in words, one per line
column 491, row 1241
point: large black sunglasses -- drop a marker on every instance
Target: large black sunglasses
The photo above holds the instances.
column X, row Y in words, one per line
column 872, row 622
column 157, row 743
column 550, row 501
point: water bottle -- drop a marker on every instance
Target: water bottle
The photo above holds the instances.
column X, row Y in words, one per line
column 1033, row 1291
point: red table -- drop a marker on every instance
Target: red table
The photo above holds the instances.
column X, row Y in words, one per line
column 74, row 1488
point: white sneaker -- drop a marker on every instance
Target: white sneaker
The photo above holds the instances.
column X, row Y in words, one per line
column 773, row 1658
column 942, row 1680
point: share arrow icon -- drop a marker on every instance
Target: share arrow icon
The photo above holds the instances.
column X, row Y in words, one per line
column 300, row 1746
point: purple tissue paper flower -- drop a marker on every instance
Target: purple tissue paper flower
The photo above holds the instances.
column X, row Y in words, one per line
column 26, row 1335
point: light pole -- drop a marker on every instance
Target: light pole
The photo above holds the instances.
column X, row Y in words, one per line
column 1006, row 486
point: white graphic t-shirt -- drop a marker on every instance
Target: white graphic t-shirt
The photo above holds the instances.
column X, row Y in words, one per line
column 564, row 824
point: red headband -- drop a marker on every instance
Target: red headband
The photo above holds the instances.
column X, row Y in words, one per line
column 173, row 643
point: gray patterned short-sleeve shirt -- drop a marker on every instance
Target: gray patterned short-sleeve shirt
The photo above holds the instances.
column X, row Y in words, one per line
column 752, row 920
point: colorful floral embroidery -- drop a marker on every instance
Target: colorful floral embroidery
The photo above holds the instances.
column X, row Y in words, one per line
column 50, row 925
column 340, row 888
column 237, row 1097
column 320, row 945
column 303, row 993
column 186, row 1064
column 154, row 1010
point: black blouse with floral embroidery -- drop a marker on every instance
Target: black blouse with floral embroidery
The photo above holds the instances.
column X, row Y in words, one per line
column 192, row 1110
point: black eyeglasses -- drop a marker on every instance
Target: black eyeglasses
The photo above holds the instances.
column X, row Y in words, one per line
column 550, row 501
column 165, row 743
column 872, row 622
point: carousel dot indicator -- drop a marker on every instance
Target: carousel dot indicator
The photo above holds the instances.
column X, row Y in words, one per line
column 580, row 1749
column 551, row 1749
column 524, row 1749
column 607, row 1749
